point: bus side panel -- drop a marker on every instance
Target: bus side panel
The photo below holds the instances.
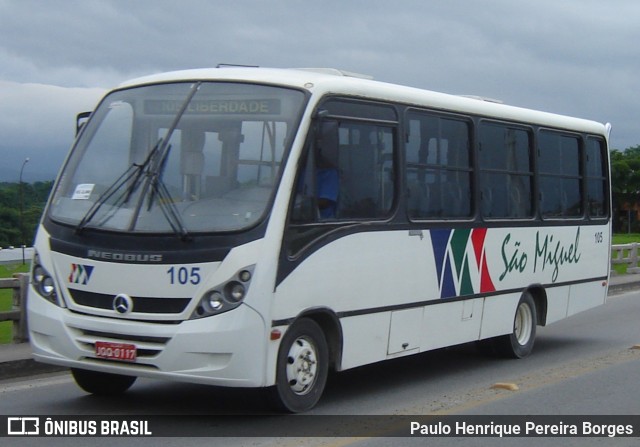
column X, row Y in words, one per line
column 557, row 303
column 447, row 324
column 585, row 296
column 497, row 318
column 362, row 272
column 365, row 346
column 364, row 278
column 550, row 256
column 401, row 292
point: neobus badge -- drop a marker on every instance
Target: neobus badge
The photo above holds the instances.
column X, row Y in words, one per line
column 124, row 257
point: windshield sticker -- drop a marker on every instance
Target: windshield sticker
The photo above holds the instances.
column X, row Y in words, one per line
column 83, row 191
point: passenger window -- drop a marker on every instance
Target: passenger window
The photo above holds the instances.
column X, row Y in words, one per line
column 352, row 173
column 348, row 170
column 438, row 167
column 346, row 174
column 506, row 175
column 364, row 171
column 596, row 178
column 560, row 179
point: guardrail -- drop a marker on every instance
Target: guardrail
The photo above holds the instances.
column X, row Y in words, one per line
column 20, row 284
column 626, row 254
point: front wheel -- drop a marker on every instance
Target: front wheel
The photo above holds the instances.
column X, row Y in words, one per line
column 519, row 343
column 302, row 368
column 103, row 384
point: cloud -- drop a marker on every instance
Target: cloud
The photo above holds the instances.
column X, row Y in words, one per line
column 38, row 121
column 576, row 57
column 42, row 115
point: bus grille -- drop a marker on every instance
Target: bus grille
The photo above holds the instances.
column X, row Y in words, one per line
column 147, row 305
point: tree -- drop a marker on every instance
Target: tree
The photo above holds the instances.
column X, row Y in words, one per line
column 34, row 198
column 625, row 186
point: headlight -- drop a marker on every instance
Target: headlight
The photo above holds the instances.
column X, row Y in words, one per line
column 225, row 297
column 213, row 301
column 234, row 291
column 43, row 282
column 39, row 273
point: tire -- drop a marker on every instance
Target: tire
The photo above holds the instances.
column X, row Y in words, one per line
column 519, row 343
column 102, row 384
column 302, row 367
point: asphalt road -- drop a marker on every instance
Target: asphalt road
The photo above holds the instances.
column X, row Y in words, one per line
column 584, row 365
column 11, row 255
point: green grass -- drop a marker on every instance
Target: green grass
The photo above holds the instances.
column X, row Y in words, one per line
column 625, row 238
column 6, row 299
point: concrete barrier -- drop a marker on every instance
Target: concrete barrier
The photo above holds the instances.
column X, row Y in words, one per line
column 20, row 284
column 626, row 254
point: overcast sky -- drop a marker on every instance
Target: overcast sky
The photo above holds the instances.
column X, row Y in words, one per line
column 57, row 57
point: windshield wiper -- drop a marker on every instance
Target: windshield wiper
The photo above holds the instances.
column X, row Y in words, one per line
column 151, row 172
column 135, row 172
column 167, row 205
column 154, row 177
column 165, row 200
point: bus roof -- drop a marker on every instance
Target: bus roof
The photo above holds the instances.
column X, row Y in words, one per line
column 323, row 81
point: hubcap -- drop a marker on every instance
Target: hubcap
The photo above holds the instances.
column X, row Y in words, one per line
column 302, row 366
column 523, row 324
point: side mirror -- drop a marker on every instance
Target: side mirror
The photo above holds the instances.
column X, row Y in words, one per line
column 81, row 120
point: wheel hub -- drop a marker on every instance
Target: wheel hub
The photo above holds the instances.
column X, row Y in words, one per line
column 523, row 324
column 302, row 366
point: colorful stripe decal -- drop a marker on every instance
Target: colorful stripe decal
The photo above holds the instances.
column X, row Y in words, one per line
column 461, row 262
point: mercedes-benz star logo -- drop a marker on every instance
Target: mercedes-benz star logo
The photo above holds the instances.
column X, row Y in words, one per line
column 122, row 303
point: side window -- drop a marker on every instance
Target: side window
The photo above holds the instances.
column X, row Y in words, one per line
column 506, row 174
column 347, row 172
column 597, row 194
column 560, row 177
column 363, row 175
column 438, row 167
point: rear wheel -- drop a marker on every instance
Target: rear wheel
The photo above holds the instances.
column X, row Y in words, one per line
column 103, row 384
column 519, row 343
column 303, row 364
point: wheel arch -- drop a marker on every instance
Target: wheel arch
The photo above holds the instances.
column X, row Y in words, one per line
column 539, row 295
column 332, row 329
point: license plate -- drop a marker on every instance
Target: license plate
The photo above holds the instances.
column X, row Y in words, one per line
column 116, row 351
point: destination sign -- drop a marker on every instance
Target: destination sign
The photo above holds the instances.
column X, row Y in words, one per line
column 214, row 106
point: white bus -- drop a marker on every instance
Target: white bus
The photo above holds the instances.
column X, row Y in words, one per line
column 251, row 227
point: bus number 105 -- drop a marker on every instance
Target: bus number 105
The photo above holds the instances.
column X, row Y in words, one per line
column 184, row 275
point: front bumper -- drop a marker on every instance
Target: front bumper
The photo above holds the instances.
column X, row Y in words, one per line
column 225, row 350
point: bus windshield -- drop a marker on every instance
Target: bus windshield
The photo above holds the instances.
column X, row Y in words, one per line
column 180, row 157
